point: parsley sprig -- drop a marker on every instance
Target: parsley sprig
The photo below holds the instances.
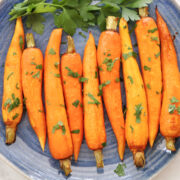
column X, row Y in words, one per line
column 71, row 15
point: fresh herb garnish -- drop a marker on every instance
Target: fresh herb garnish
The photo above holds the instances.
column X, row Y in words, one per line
column 83, row 79
column 14, row 53
column 95, row 101
column 174, row 100
column 101, row 87
column 103, row 144
column 21, row 42
column 152, row 30
column 132, row 129
column 7, row 102
column 71, row 73
column 76, row 103
column 32, row 72
column 100, row 68
column 131, row 79
column 52, row 51
column 40, row 111
column 178, row 110
column 117, row 80
column 56, row 64
column 171, row 108
column 33, row 63
column 15, row 116
column 71, row 15
column 12, row 104
column 146, row 68
column 76, row 131
column 36, row 75
column 10, row 75
column 59, row 125
column 39, row 66
column 157, row 55
column 154, row 39
column 149, row 59
column 57, row 75
column 17, row 86
column 128, row 55
column 138, row 110
column 96, row 74
column 148, row 86
column 120, row 169
column 110, row 63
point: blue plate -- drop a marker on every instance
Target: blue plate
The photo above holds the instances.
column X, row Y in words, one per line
column 26, row 153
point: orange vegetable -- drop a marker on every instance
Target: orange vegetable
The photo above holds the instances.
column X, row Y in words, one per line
column 32, row 70
column 59, row 136
column 108, row 54
column 12, row 104
column 170, row 112
column 149, row 46
column 71, row 70
column 93, row 108
column 136, row 127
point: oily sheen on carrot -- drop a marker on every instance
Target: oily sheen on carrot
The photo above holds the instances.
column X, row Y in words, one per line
column 170, row 112
column 12, row 104
column 136, row 117
column 149, row 47
column 59, row 137
column 32, row 71
column 93, row 108
column 109, row 51
column 71, row 62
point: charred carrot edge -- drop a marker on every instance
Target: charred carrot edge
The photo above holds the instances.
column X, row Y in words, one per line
column 59, row 136
column 149, row 45
column 12, row 104
column 71, row 61
column 93, row 109
column 170, row 118
column 32, row 74
column 136, row 116
column 109, row 51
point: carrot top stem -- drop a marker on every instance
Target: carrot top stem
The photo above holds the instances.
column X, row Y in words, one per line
column 99, row 158
column 143, row 12
column 111, row 23
column 71, row 46
column 139, row 159
column 170, row 144
column 10, row 134
column 65, row 165
column 30, row 40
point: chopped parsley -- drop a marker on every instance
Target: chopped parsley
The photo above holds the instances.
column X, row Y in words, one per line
column 100, row 68
column 101, row 87
column 96, row 74
column 109, row 63
column 130, row 54
column 57, row 75
column 15, row 116
column 152, row 30
column 7, row 102
column 131, row 79
column 146, row 68
column 120, row 169
column 138, row 110
column 40, row 111
column 33, row 63
column 83, row 79
column 149, row 59
column 59, row 125
column 154, row 39
column 76, row 131
column 132, row 129
column 56, row 64
column 95, row 101
column 17, row 86
column 52, row 51
column 117, row 80
column 174, row 100
column 76, row 103
column 157, row 55
column 14, row 53
column 39, row 66
column 32, row 72
column 171, row 108
column 148, row 86
column 103, row 144
column 71, row 73
column 10, row 75
column 36, row 75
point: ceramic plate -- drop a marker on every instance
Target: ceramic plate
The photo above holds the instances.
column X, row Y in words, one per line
column 26, row 153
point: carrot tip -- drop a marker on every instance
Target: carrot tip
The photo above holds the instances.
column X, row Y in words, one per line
column 42, row 143
column 151, row 143
column 139, row 159
column 65, row 165
column 10, row 135
column 170, row 144
column 99, row 158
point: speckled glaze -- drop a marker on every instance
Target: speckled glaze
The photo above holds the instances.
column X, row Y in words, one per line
column 26, row 153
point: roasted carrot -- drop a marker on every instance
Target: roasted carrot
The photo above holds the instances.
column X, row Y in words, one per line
column 136, row 128
column 59, row 136
column 170, row 112
column 108, row 54
column 149, row 46
column 71, row 70
column 94, row 127
column 12, row 104
column 32, row 70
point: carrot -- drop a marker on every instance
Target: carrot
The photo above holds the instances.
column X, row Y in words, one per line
column 170, row 112
column 108, row 54
column 59, row 136
column 149, row 45
column 93, row 108
column 12, row 104
column 136, row 128
column 71, row 70
column 32, row 69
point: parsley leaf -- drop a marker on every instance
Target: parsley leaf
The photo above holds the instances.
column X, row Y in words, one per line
column 95, row 101
column 59, row 125
column 130, row 54
column 71, row 73
column 120, row 169
column 152, row 30
column 138, row 110
column 131, row 79
column 76, row 131
column 10, row 75
column 52, row 51
column 171, row 108
column 76, row 103
column 15, row 116
column 101, row 87
column 37, row 75
column 174, row 100
column 146, row 68
column 104, row 144
column 83, row 79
